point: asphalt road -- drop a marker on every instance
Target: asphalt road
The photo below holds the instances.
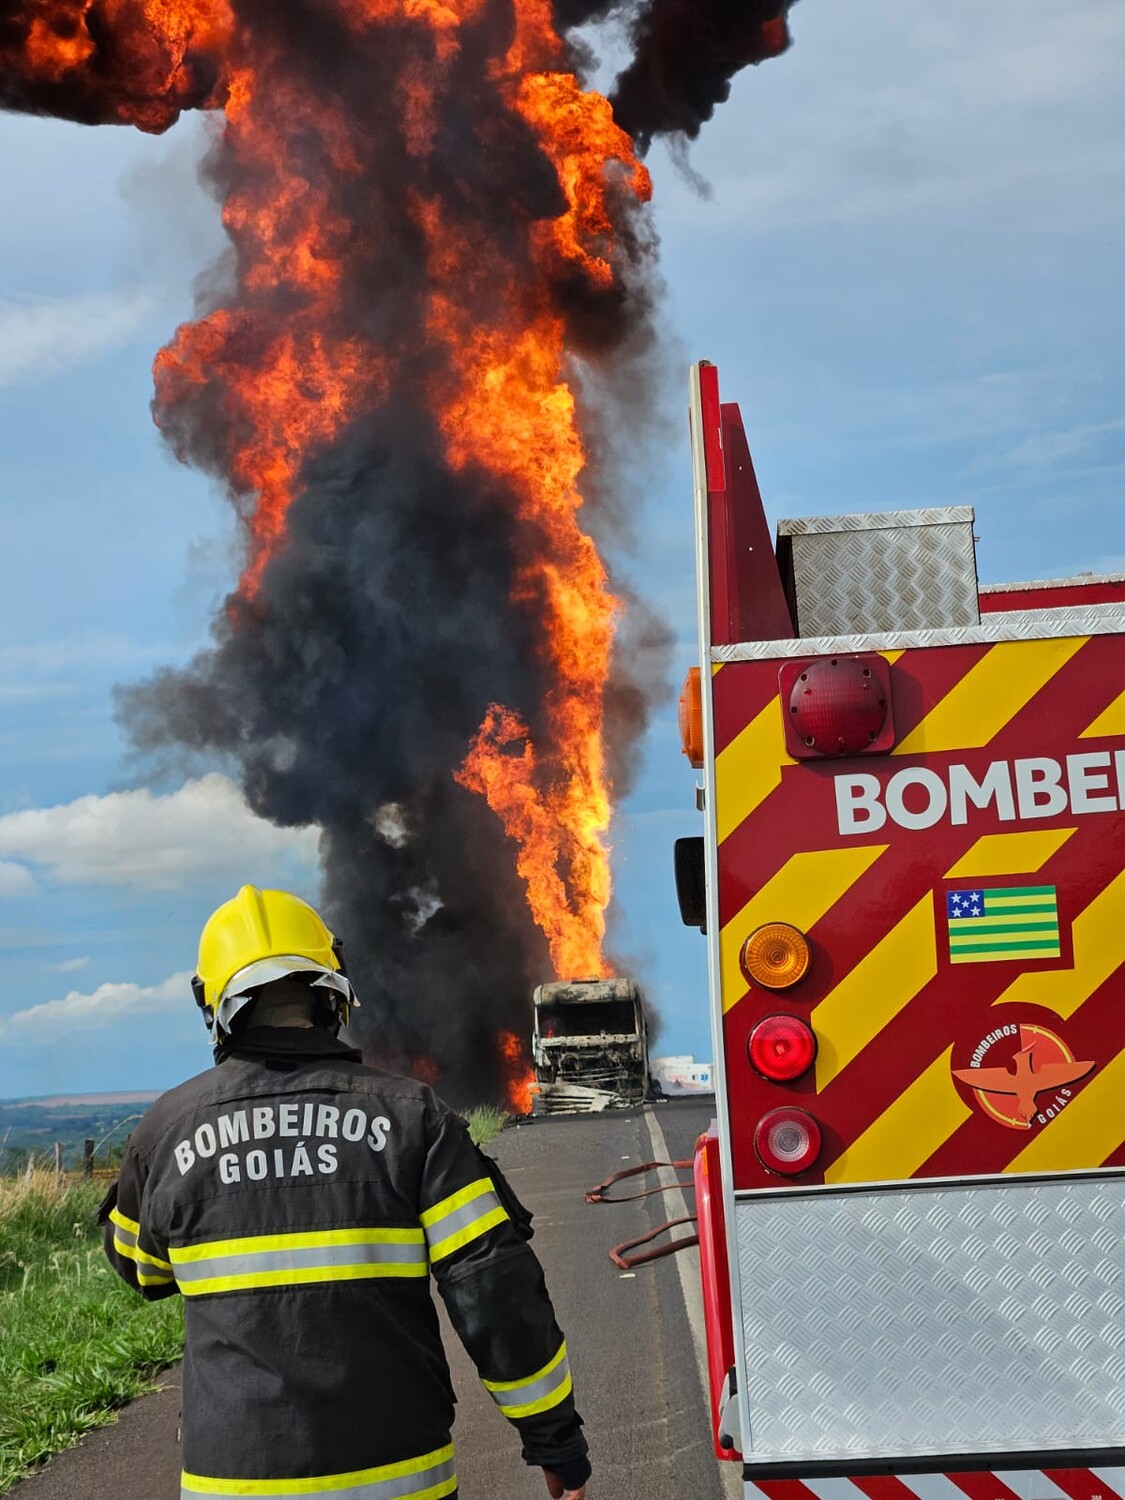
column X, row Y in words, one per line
column 636, row 1365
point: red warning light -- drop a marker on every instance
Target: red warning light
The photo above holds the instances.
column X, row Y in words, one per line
column 781, row 1048
column 787, row 1141
column 837, row 705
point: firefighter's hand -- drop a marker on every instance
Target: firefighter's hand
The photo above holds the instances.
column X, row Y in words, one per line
column 557, row 1492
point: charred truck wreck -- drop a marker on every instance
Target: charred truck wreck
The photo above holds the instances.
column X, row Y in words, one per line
column 590, row 1045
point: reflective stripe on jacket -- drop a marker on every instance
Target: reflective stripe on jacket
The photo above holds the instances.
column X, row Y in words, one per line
column 427, row 1478
column 300, row 1202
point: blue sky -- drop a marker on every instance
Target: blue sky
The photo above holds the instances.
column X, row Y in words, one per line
column 908, row 272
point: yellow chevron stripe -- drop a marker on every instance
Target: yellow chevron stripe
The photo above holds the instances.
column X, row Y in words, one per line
column 1099, row 948
column 1088, row 1130
column 805, row 887
column 885, row 980
column 920, row 1120
column 748, row 770
column 1112, row 721
column 990, row 694
column 1009, row 853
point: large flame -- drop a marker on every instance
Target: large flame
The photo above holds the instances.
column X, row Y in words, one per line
column 503, row 400
column 519, row 1076
column 511, row 410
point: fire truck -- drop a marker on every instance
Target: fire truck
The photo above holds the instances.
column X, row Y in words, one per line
column 912, row 885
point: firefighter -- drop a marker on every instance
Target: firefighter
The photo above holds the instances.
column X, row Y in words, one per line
column 299, row 1202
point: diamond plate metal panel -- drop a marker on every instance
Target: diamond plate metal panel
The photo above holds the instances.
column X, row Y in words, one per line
column 1075, row 581
column 875, row 520
column 938, row 1319
column 855, row 574
column 1011, row 625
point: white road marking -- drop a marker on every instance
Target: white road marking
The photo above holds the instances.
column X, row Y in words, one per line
column 730, row 1475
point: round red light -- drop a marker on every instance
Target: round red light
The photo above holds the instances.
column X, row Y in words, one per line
column 787, row 1141
column 837, row 706
column 781, row 1048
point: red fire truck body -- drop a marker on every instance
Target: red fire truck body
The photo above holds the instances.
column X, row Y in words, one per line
column 912, row 1210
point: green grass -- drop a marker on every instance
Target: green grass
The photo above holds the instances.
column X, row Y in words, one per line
column 485, row 1123
column 75, row 1342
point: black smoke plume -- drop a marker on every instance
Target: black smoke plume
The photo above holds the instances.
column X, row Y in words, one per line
column 685, row 56
column 346, row 687
column 100, row 62
column 346, row 695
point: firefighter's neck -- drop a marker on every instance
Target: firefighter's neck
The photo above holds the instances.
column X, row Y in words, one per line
column 287, row 1003
column 287, row 1013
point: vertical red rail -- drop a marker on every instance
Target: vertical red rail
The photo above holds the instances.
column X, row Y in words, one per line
column 715, row 1275
column 748, row 600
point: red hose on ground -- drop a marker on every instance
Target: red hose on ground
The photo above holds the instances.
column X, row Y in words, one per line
column 618, row 1252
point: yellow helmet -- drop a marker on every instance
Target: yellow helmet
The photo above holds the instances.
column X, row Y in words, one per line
column 255, row 938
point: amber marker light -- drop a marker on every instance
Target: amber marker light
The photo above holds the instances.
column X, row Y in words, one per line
column 691, row 718
column 775, row 956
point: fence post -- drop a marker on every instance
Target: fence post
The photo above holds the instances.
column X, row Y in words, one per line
column 58, row 1164
column 87, row 1159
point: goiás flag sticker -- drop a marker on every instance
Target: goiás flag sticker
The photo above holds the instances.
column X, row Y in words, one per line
column 1020, row 922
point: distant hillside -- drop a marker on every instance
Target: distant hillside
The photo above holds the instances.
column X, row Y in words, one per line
column 30, row 1127
column 69, row 1101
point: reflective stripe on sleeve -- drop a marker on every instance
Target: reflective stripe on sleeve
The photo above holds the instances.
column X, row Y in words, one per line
column 127, row 1228
column 461, row 1218
column 297, row 1260
column 425, row 1478
column 539, row 1392
column 125, row 1233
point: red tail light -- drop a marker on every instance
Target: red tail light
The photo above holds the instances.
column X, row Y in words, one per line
column 787, row 1141
column 782, row 1048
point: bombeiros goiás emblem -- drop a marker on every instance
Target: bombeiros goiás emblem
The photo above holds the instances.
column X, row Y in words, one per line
column 1009, row 1085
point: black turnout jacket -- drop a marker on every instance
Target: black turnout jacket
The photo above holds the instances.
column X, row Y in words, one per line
column 300, row 1202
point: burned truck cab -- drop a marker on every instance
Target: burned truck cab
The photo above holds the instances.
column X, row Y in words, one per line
column 590, row 1044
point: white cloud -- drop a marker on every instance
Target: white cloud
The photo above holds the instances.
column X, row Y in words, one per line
column 1047, row 448
column 39, row 336
column 16, row 880
column 70, row 965
column 106, row 1006
column 202, row 832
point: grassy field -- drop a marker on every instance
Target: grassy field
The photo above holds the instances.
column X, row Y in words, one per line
column 75, row 1342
